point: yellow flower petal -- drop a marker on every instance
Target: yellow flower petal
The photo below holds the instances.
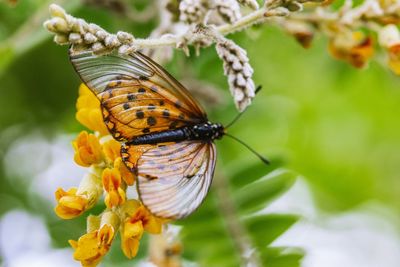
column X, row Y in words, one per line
column 130, row 237
column 133, row 229
column 130, row 247
column 69, row 204
column 111, row 149
column 128, row 177
column 356, row 49
column 112, row 185
column 91, row 247
column 394, row 58
column 88, row 111
column 87, row 149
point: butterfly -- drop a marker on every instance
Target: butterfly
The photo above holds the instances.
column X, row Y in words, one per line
column 167, row 140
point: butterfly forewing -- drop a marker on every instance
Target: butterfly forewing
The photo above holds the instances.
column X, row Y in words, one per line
column 174, row 179
column 133, row 107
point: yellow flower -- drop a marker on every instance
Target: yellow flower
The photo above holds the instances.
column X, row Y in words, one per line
column 112, row 150
column 70, row 205
column 88, row 111
column 87, row 149
column 131, row 232
column 354, row 48
column 91, row 247
column 389, row 38
column 394, row 58
column 127, row 175
column 112, row 184
column 138, row 219
column 77, row 200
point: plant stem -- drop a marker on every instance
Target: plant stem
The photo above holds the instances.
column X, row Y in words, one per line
column 245, row 22
column 236, row 229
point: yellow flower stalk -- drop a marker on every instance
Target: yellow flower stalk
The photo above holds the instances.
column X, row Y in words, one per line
column 87, row 149
column 108, row 176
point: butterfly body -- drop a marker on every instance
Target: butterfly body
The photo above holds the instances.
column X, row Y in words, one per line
column 203, row 132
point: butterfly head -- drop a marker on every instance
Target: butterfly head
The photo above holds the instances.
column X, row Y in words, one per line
column 208, row 131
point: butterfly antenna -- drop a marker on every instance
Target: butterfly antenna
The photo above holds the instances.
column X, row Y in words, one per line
column 263, row 159
column 241, row 113
column 258, row 89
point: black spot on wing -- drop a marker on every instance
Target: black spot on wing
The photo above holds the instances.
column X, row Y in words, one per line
column 165, row 113
column 151, row 121
column 139, row 114
column 131, row 97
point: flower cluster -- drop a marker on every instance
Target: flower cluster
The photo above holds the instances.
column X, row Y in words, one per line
column 239, row 72
column 107, row 176
column 192, row 11
column 216, row 18
column 351, row 30
column 229, row 10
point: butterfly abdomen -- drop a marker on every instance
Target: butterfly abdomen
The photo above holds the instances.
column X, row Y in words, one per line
column 204, row 131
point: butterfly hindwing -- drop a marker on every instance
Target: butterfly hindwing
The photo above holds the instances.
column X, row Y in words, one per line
column 137, row 96
column 173, row 178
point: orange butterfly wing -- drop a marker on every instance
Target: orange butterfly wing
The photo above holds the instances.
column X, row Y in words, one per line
column 172, row 179
column 137, row 96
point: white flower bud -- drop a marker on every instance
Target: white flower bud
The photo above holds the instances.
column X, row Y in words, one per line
column 125, row 49
column 192, row 11
column 61, row 39
column 238, row 71
column 250, row 3
column 389, row 36
column 124, row 37
column 98, row 48
column 111, row 41
column 57, row 11
column 89, row 38
column 229, row 10
column 101, row 34
column 57, row 25
column 75, row 38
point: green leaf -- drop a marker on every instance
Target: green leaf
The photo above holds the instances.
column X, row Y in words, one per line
column 253, row 172
column 264, row 229
column 6, row 56
column 281, row 257
column 257, row 195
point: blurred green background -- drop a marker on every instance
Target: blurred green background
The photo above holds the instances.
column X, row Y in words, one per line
column 335, row 125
